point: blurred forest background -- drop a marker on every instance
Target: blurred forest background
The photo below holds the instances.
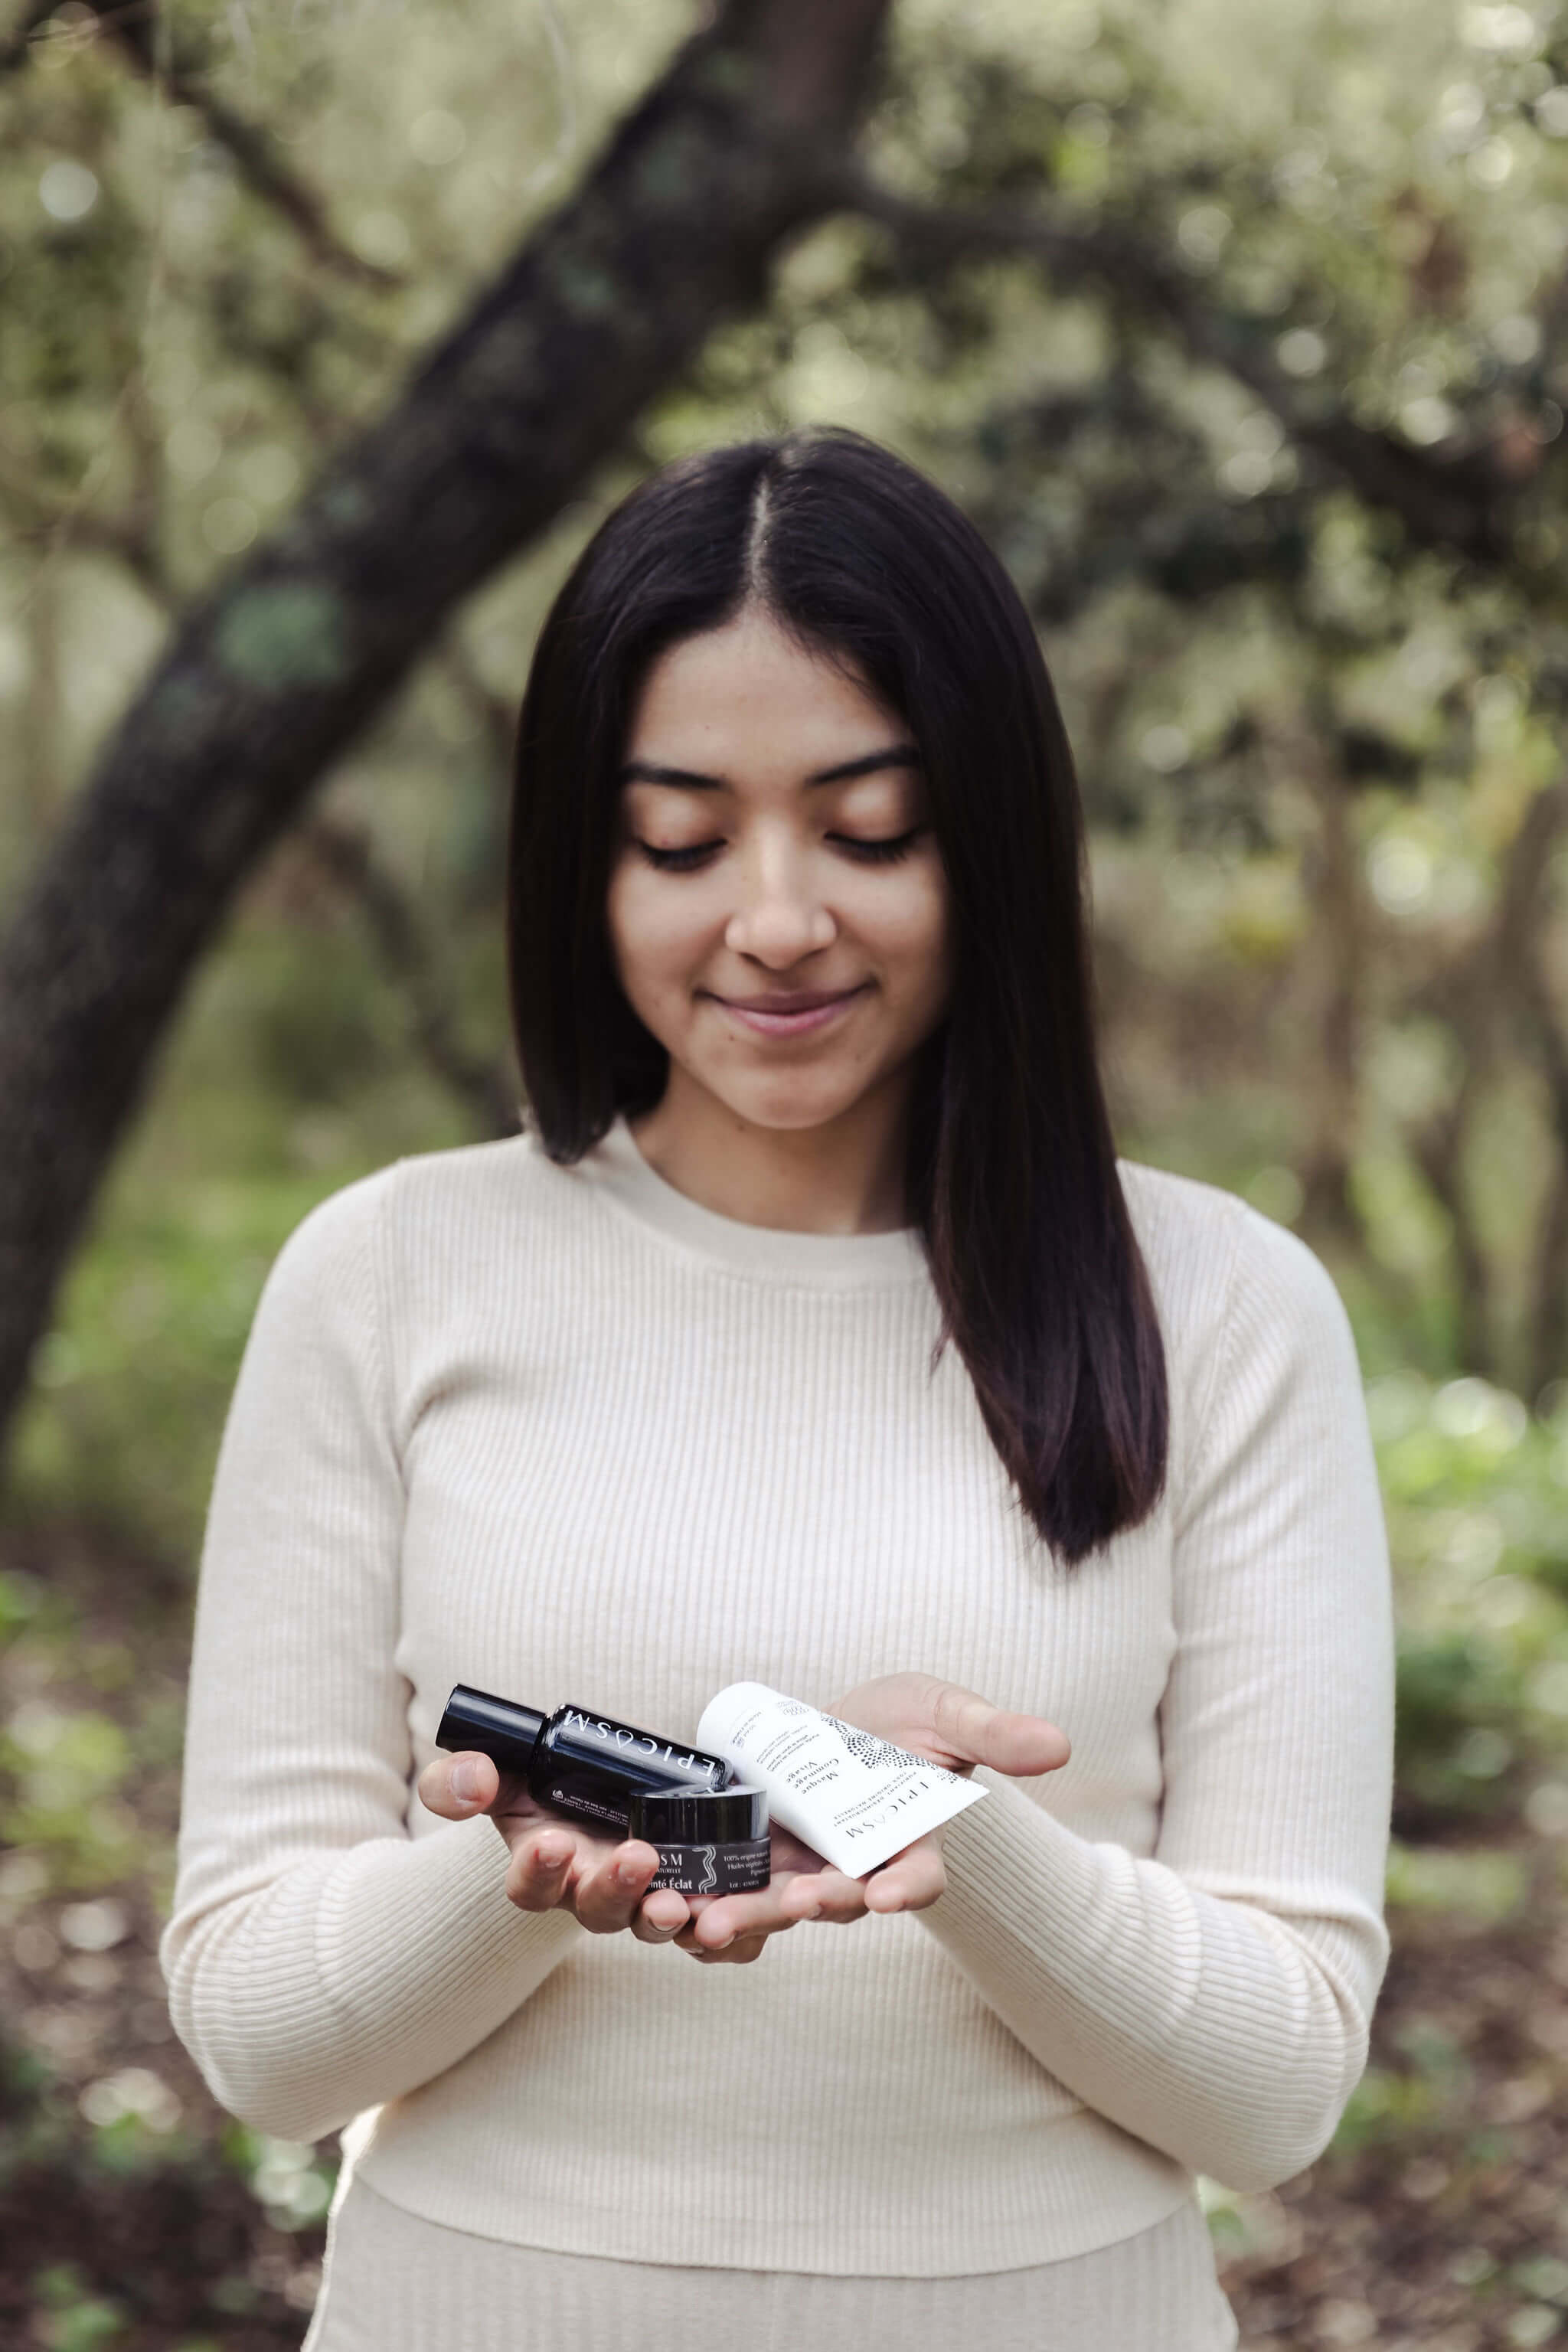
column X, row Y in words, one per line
column 1244, row 335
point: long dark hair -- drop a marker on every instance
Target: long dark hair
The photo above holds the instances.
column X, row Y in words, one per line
column 1010, row 1175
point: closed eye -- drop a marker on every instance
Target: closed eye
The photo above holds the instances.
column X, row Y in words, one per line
column 879, row 853
column 679, row 861
column 868, row 852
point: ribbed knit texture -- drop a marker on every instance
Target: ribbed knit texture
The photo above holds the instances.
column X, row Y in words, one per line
column 396, row 2282
column 565, row 1434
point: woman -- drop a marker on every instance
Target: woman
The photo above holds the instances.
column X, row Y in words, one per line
column 811, row 1335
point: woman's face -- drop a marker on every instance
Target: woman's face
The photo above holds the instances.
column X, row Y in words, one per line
column 778, row 911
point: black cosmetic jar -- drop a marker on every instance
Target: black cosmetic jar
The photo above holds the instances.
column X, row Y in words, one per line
column 711, row 1842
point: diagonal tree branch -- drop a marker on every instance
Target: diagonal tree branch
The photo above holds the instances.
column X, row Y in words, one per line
column 268, row 677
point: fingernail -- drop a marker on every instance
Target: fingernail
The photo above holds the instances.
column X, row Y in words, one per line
column 466, row 1781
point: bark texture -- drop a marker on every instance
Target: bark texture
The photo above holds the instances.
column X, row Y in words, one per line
column 266, row 681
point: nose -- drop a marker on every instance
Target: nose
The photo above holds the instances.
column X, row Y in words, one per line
column 780, row 917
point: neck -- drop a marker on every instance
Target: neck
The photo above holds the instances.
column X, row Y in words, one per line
column 845, row 1176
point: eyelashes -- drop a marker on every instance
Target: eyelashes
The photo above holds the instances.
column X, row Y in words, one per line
column 677, row 861
column 880, row 852
column 863, row 853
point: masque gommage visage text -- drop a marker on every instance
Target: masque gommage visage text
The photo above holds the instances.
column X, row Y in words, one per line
column 856, row 1800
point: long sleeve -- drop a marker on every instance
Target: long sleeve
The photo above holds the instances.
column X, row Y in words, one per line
column 320, row 1959
column 1214, row 1999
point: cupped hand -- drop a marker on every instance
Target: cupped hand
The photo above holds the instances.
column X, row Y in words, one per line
column 951, row 1727
column 554, row 1865
column 605, row 1883
column 736, row 1927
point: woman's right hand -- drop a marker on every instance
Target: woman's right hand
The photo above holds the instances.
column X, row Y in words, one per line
column 555, row 1865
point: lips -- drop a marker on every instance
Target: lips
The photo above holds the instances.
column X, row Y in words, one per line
column 792, row 1014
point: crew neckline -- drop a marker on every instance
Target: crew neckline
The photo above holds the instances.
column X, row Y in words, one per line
column 617, row 1169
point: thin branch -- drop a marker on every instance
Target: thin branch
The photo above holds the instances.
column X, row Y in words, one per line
column 1332, row 966
column 15, row 48
column 135, row 28
column 1522, row 966
column 344, row 853
column 498, row 713
column 46, row 522
column 1472, row 996
column 1451, row 502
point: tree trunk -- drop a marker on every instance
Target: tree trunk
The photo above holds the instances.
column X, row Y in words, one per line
column 271, row 675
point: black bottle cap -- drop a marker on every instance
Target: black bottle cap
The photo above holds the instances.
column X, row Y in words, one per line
column 477, row 1724
column 697, row 1816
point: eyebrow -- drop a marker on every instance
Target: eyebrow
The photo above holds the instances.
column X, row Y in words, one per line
column 650, row 772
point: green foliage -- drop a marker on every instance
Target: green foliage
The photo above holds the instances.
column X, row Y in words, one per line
column 72, row 2318
column 1384, row 2109
column 65, row 1771
column 289, row 1078
column 1474, row 1491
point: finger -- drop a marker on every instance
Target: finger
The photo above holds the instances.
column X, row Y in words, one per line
column 741, row 1950
column 609, row 1893
column 912, row 1882
column 660, row 1917
column 728, row 1917
column 824, row 1895
column 972, row 1727
column 539, row 1870
column 457, row 1786
column 788, row 1854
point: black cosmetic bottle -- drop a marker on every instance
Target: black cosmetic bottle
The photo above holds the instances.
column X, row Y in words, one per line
column 579, row 1763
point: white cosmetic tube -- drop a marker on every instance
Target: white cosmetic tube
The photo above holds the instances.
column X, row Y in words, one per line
column 856, row 1800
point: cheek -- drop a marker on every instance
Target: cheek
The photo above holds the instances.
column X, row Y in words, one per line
column 654, row 933
column 910, row 927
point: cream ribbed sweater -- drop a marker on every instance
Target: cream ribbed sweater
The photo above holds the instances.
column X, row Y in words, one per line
column 566, row 1434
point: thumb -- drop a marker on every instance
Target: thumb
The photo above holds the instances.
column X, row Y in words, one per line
column 458, row 1786
column 978, row 1733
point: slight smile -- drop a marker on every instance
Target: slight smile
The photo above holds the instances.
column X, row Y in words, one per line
column 790, row 1015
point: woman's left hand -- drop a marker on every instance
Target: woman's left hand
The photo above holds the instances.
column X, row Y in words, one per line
column 940, row 1720
column 737, row 1927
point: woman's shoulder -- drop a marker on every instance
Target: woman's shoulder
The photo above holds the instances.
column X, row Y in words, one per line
column 1220, row 1269
column 437, row 1203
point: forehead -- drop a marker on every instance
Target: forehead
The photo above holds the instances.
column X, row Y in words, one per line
column 749, row 700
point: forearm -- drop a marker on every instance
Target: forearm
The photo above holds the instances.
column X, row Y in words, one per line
column 1220, row 2033
column 355, row 1975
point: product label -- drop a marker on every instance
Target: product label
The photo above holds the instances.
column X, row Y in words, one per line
column 738, row 1869
column 621, row 1736
column 854, row 1798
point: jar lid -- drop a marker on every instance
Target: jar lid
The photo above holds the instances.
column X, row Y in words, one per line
column 697, row 1816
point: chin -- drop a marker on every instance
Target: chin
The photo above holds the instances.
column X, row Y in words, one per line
column 788, row 1106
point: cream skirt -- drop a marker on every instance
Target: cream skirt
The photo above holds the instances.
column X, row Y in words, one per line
column 394, row 2282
